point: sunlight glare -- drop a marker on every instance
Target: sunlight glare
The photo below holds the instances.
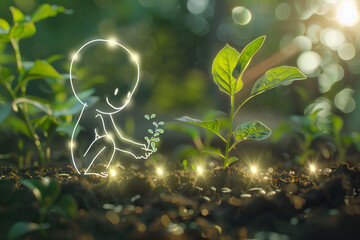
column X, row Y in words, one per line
column 159, row 171
column 347, row 13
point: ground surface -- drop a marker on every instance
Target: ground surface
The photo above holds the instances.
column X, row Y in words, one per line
column 221, row 204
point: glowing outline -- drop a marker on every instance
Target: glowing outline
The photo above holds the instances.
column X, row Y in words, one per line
column 97, row 137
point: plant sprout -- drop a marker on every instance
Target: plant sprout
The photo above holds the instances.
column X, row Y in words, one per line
column 228, row 69
column 155, row 133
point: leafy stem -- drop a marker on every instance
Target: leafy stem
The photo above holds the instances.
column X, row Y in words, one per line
column 29, row 126
column 227, row 69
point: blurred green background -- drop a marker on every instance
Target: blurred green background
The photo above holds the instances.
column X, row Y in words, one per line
column 178, row 39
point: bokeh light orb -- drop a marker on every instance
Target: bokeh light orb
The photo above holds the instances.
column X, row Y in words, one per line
column 241, row 15
column 346, row 51
column 308, row 61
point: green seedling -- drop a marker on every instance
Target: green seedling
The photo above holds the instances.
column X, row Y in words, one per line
column 46, row 192
column 228, row 69
column 155, row 133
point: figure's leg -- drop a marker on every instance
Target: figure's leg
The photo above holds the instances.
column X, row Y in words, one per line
column 101, row 150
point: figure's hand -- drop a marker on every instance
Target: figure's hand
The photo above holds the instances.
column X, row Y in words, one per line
column 143, row 152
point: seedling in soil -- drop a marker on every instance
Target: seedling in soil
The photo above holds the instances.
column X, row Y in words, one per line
column 228, row 69
column 155, row 132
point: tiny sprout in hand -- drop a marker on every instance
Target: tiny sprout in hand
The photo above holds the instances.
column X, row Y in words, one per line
column 228, row 69
column 155, row 132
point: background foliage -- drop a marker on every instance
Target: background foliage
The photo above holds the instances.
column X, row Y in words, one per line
column 177, row 41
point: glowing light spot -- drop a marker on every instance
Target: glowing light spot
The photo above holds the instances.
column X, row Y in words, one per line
column 308, row 62
column 160, row 171
column 347, row 13
column 112, row 172
column 253, row 169
column 346, row 51
column 241, row 15
column 116, row 91
column 112, row 42
column 75, row 56
column 135, row 57
column 312, row 168
column 200, row 170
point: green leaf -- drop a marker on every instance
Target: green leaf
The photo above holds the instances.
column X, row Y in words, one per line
column 222, row 70
column 5, row 74
column 47, row 123
column 23, row 30
column 214, row 151
column 251, row 130
column 150, row 131
column 337, row 124
column 18, row 16
column 46, row 191
column 4, row 26
column 160, row 130
column 20, row 229
column 147, row 117
column 275, row 77
column 231, row 160
column 5, row 110
column 213, row 126
column 45, row 11
column 155, row 139
column 67, row 206
column 36, row 187
column 17, row 125
column 68, row 128
column 247, row 54
column 42, row 69
column 153, row 115
column 185, row 164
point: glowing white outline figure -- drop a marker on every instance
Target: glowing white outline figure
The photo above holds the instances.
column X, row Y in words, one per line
column 117, row 109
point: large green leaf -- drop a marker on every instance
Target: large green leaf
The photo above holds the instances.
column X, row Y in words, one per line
column 247, row 54
column 20, row 229
column 275, row 77
column 5, row 109
column 42, row 69
column 222, row 70
column 45, row 11
column 17, row 15
column 213, row 126
column 251, row 130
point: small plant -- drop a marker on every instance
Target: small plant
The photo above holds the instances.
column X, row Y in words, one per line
column 14, row 84
column 47, row 193
column 155, row 133
column 228, row 69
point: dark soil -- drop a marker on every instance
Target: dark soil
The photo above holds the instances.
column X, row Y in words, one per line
column 221, row 204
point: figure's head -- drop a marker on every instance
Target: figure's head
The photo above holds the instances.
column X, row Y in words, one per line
column 108, row 67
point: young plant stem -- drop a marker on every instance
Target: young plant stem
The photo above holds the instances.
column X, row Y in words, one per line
column 22, row 108
column 229, row 131
column 15, row 44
